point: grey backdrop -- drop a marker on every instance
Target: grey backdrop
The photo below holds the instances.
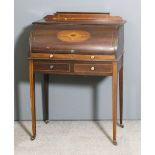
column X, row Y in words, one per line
column 77, row 97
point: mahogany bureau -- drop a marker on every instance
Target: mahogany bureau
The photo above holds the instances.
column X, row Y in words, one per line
column 77, row 43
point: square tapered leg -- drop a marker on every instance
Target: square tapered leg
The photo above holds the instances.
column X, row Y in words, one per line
column 32, row 98
column 45, row 92
column 114, row 100
column 121, row 96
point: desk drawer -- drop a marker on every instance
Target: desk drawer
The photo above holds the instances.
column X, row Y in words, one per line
column 93, row 68
column 72, row 57
column 51, row 67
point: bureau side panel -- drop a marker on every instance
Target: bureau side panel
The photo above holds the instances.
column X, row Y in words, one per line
column 120, row 46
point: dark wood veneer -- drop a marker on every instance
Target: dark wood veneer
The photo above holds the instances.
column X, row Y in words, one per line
column 77, row 43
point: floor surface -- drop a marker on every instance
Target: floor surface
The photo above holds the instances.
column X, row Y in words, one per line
column 77, row 138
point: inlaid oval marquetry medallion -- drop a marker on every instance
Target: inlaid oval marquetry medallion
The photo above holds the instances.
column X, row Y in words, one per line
column 73, row 35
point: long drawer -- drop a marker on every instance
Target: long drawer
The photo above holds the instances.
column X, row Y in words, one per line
column 72, row 57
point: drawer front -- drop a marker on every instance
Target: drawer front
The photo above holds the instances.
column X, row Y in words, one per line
column 72, row 57
column 51, row 67
column 93, row 68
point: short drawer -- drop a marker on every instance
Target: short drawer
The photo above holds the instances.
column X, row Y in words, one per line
column 93, row 68
column 52, row 67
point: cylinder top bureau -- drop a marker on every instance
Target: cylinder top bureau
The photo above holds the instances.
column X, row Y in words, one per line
column 77, row 43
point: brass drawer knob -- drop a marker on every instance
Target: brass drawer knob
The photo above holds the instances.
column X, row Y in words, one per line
column 51, row 55
column 92, row 57
column 51, row 66
column 92, row 68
